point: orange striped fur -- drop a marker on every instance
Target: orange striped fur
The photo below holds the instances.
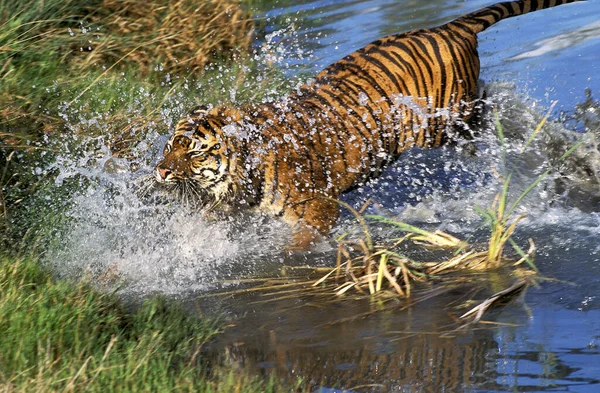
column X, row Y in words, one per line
column 291, row 158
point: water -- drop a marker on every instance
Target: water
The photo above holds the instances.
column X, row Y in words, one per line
column 546, row 342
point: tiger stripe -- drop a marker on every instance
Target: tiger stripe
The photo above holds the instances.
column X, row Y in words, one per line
column 344, row 127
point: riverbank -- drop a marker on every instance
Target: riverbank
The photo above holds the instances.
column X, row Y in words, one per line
column 66, row 336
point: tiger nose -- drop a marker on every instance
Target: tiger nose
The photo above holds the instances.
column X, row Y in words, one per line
column 163, row 173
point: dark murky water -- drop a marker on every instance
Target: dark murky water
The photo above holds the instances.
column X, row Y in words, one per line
column 549, row 341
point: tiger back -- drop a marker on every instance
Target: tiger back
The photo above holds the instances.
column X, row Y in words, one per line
column 294, row 157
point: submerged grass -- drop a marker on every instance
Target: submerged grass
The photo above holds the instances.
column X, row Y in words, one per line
column 61, row 336
column 384, row 267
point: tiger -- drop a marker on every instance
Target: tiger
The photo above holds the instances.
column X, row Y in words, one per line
column 292, row 158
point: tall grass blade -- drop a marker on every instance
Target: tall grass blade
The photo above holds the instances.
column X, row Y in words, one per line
column 359, row 218
column 539, row 126
column 525, row 256
column 382, row 268
column 571, row 150
column 528, row 190
column 503, row 198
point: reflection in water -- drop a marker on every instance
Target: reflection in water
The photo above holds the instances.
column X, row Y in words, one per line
column 421, row 362
column 412, row 350
column 396, row 350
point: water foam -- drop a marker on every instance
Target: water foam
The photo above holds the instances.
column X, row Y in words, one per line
column 114, row 236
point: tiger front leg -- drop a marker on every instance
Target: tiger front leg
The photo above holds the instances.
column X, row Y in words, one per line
column 311, row 220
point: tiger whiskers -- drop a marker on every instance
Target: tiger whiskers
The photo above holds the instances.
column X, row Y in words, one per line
column 193, row 190
column 190, row 194
column 144, row 186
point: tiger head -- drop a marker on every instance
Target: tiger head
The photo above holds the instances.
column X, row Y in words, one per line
column 197, row 155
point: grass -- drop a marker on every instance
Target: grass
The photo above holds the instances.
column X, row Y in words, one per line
column 173, row 35
column 61, row 336
column 53, row 53
column 384, row 267
column 373, row 268
column 112, row 54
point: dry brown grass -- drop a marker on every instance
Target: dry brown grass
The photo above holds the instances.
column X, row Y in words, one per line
column 370, row 267
column 170, row 35
column 378, row 267
column 382, row 268
column 177, row 34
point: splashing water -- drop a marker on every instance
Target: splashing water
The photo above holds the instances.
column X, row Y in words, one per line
column 167, row 247
column 150, row 242
column 164, row 246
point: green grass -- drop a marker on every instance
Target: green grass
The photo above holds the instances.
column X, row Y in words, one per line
column 61, row 336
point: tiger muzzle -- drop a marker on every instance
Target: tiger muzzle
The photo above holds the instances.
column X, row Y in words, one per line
column 162, row 175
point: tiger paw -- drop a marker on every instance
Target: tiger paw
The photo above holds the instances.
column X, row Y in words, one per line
column 303, row 239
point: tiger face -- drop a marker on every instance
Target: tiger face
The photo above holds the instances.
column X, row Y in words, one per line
column 197, row 159
column 187, row 158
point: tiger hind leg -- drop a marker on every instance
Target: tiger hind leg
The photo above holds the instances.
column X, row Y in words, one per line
column 481, row 108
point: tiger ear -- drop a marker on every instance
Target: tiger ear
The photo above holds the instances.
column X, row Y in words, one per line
column 229, row 113
column 200, row 110
column 188, row 123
